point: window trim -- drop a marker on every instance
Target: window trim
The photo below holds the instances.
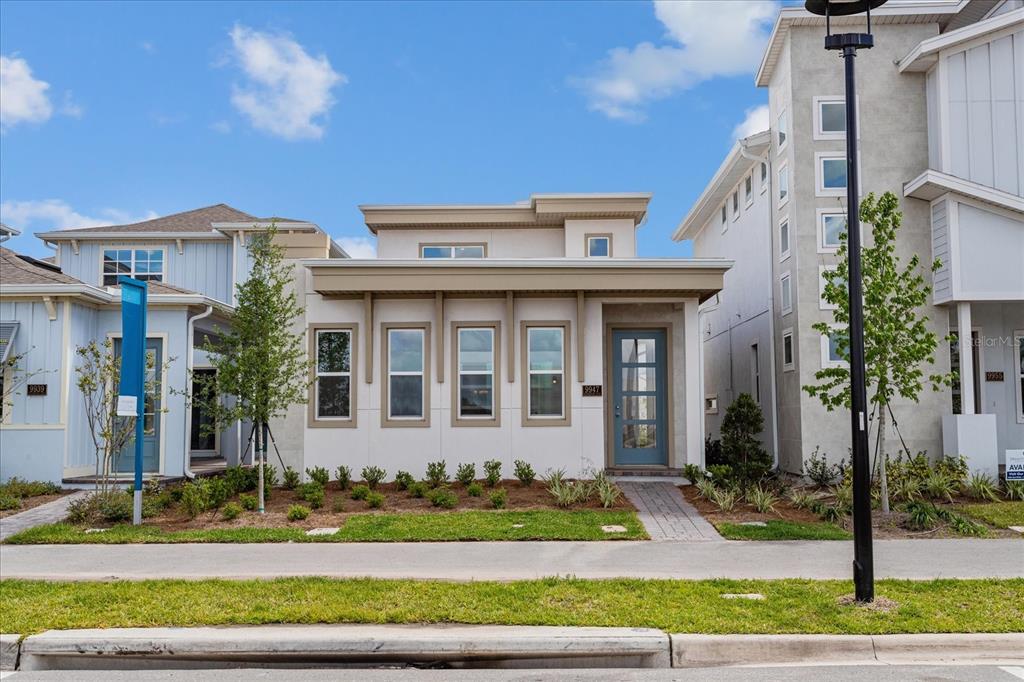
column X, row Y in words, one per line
column 819, row 174
column 826, row 360
column 107, row 246
column 781, row 145
column 735, row 200
column 755, row 370
column 791, row 365
column 724, row 216
column 748, row 190
column 597, row 235
column 422, row 245
column 783, row 168
column 386, row 421
column 822, row 305
column 566, row 418
column 712, row 409
column 766, row 178
column 784, row 279
column 784, row 255
column 820, row 221
column 312, row 420
column 1018, row 337
column 495, row 419
column 817, row 101
column 216, row 434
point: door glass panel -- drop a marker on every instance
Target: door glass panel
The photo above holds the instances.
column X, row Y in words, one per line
column 638, row 379
column 638, row 350
column 639, row 407
column 639, row 435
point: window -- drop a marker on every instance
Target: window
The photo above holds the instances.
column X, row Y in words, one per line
column 1018, row 340
column 783, row 131
column 831, row 173
column 835, row 347
column 545, row 360
column 599, row 246
column 764, row 177
column 406, row 392
column 711, row 403
column 736, row 205
column 333, row 368
column 748, row 189
column 755, row 374
column 786, row 293
column 831, row 226
column 787, row 349
column 829, row 118
column 784, row 239
column 725, row 218
column 143, row 264
column 475, row 365
column 452, row 251
column 822, row 281
column 204, row 387
column 783, row 185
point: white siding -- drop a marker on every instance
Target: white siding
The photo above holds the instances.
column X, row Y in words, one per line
column 941, row 281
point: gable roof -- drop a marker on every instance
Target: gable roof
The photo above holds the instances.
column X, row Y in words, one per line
column 196, row 220
column 18, row 269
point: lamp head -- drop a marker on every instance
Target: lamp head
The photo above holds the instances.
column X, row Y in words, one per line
column 841, row 8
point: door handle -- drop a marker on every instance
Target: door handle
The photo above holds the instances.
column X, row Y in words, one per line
column 616, row 410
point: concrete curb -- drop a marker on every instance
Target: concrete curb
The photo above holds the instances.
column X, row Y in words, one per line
column 9, row 647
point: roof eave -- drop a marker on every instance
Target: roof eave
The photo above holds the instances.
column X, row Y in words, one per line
column 67, row 236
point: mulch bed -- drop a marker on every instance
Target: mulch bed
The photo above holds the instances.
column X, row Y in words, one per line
column 30, row 502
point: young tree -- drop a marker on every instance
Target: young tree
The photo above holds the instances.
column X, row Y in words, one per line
column 260, row 362
column 897, row 341
column 742, row 425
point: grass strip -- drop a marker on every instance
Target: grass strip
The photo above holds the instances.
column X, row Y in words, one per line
column 783, row 530
column 790, row 606
column 437, row 527
column 999, row 514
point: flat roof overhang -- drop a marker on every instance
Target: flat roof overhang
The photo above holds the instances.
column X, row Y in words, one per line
column 684, row 278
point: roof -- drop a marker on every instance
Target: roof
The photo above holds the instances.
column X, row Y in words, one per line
column 196, row 220
column 732, row 170
column 18, row 269
column 926, row 53
column 8, row 231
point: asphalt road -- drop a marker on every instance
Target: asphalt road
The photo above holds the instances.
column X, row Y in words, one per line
column 867, row 673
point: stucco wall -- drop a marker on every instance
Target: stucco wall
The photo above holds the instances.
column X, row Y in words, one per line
column 997, row 322
column 622, row 231
column 501, row 243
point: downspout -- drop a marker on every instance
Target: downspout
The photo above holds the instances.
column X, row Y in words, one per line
column 188, row 374
column 771, row 298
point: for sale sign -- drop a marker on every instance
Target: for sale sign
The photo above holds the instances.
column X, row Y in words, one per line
column 1015, row 465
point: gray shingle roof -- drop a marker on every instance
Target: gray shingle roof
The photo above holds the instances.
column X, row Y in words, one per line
column 15, row 269
column 196, row 220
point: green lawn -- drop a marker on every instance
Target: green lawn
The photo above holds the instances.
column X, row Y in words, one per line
column 783, row 530
column 449, row 526
column 1000, row 514
column 790, row 606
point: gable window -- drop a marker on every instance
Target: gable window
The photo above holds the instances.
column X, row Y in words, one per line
column 452, row 251
column 784, row 239
column 142, row 264
column 476, row 367
column 405, row 395
column 782, row 131
column 333, row 388
column 831, row 227
column 833, row 348
column 748, row 189
column 545, row 363
column 725, row 218
column 783, row 184
column 786, row 293
column 787, row 349
column 831, row 173
column 764, row 176
column 829, row 118
column 736, row 205
column 599, row 246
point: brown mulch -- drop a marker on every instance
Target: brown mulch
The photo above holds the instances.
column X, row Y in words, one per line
column 30, row 502
column 883, row 527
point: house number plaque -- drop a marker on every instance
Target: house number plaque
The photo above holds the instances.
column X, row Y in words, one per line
column 591, row 390
column 35, row 389
column 993, row 376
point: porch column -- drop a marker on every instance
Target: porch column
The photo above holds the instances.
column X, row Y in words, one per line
column 963, row 320
column 694, row 401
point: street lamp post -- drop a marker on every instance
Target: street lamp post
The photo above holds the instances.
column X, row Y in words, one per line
column 849, row 43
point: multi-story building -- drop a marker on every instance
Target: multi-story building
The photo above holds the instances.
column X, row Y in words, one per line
column 940, row 101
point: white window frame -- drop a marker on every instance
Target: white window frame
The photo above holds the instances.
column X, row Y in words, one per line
column 826, row 357
column 786, row 286
column 530, row 372
column 735, row 200
column 748, row 189
column 133, row 248
column 724, row 215
column 459, row 373
column 783, row 172
column 1018, row 338
column 787, row 333
column 781, row 130
column 596, row 237
column 317, row 374
column 765, row 173
column 818, row 101
column 819, row 174
column 755, row 371
column 820, row 215
column 711, row 403
column 822, row 304
column 785, row 253
column 422, row 373
column 451, row 251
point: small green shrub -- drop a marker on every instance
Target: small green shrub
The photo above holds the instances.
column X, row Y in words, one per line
column 466, row 473
column 311, row 493
column 843, row 494
column 8, row 502
column 762, row 499
column 443, row 497
column 319, row 475
column 1014, row 490
column 241, row 479
column 297, row 512
column 338, row 506
column 937, row 485
column 116, row 506
column 375, row 500
column 344, row 475
column 741, row 447
column 403, row 479
column 195, row 497
column 725, row 499
column 706, row 488
column 954, row 468
column 693, row 473
column 291, row 478
column 360, row 492
column 568, row 493
column 475, row 489
column 981, row 487
column 231, row 511
column 418, row 489
column 374, row 476
column 492, row 472
column 82, row 509
column 437, row 473
column 905, row 489
column 820, row 471
column 801, row 499
column 921, row 515
column 607, row 491
column 19, row 487
column 217, row 492
column 499, row 498
column 524, row 472
column 269, row 478
column 721, row 474
column 829, row 513
column 961, row 524
column 249, row 502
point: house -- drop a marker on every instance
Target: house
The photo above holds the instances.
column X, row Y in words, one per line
column 192, row 262
column 942, row 126
column 527, row 331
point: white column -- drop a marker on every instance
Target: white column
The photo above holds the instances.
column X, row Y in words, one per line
column 694, row 399
column 963, row 319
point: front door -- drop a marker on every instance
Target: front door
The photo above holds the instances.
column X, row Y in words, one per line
column 639, row 397
column 125, row 460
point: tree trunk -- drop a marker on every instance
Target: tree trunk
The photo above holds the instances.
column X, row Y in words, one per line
column 259, row 462
column 883, row 477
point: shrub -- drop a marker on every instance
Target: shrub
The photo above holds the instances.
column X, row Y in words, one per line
column 937, row 485
column 980, row 487
column 291, row 478
column 693, row 473
column 492, row 472
column 553, row 478
column 195, row 497
column 568, row 493
column 921, row 515
column 706, row 488
column 375, row 500
column 319, row 475
column 724, row 499
column 961, row 524
column 116, row 506
column 437, row 473
column 418, row 489
column 524, row 472
column 741, row 426
column 374, row 476
column 403, row 479
column 801, row 499
column 843, row 494
column 217, row 492
column 269, row 477
column 762, row 499
column 499, row 498
column 241, row 479
column 297, row 512
column 474, row 489
column 360, row 492
column 338, row 506
column 721, row 473
column 249, row 502
column 607, row 491
column 231, row 511
column 344, row 477
column 905, row 489
column 829, row 513
column 466, row 473
column 82, row 509
column 19, row 487
column 8, row 502
column 1014, row 490
column 955, row 468
column 312, row 493
column 713, row 451
column 820, row 472
column 443, row 497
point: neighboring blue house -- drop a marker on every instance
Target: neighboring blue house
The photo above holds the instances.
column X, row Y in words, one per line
column 192, row 261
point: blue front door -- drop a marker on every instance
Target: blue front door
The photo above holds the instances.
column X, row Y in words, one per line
column 639, row 390
column 125, row 460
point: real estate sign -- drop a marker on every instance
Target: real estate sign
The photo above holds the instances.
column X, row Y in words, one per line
column 1015, row 465
column 133, row 370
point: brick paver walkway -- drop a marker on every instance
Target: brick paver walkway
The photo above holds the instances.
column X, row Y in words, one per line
column 665, row 513
column 51, row 512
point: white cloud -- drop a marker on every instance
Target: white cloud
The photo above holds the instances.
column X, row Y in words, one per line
column 70, row 107
column 706, row 40
column 24, row 97
column 56, row 214
column 756, row 121
column 358, row 247
column 222, row 127
column 288, row 91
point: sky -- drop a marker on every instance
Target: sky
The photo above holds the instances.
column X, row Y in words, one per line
column 117, row 112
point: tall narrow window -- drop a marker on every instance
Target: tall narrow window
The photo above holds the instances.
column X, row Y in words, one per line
column 475, row 352
column 333, row 374
column 748, row 189
column 783, row 185
column 764, row 176
column 787, row 349
column 735, row 204
column 784, row 239
column 831, row 226
column 599, row 246
column 783, row 130
column 834, row 347
column 831, row 172
column 755, row 373
column 545, row 365
column 201, row 438
column 406, row 362
column 143, row 264
column 829, row 118
column 786, row 293
column 725, row 218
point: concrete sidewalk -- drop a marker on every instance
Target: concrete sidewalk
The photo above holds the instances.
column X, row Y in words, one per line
column 909, row 559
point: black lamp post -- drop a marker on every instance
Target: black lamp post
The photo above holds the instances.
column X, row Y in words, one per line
column 849, row 43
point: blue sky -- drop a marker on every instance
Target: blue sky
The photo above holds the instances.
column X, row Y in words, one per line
column 117, row 112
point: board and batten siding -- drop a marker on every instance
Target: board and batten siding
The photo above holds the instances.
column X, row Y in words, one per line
column 942, row 283
column 39, row 339
column 81, row 450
